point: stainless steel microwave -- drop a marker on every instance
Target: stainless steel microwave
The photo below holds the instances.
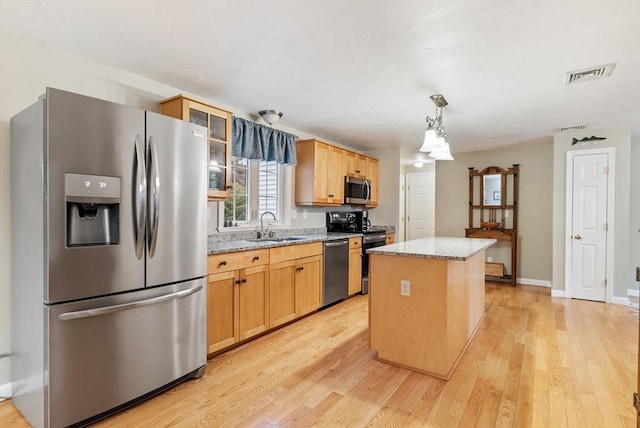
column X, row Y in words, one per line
column 357, row 190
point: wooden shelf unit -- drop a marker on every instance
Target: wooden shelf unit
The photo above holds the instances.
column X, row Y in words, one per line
column 504, row 208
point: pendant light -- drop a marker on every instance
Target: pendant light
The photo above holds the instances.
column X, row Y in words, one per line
column 434, row 136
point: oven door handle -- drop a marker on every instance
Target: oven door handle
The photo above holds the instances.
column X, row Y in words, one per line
column 374, row 238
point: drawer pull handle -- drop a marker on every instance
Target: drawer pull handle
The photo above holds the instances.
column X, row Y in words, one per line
column 223, row 263
column 256, row 258
column 244, row 280
column 299, row 269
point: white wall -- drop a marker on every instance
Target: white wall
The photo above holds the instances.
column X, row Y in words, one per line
column 624, row 191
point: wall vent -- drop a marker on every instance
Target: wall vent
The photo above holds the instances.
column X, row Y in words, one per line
column 572, row 128
column 592, row 73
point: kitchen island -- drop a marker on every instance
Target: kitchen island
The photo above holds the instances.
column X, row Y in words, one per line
column 426, row 300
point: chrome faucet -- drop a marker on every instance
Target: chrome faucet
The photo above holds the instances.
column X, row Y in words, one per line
column 262, row 224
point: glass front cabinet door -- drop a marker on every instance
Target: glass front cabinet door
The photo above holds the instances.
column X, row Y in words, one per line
column 218, row 124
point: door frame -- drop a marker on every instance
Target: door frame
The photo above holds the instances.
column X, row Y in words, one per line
column 611, row 178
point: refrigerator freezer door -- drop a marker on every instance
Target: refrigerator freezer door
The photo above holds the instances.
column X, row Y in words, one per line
column 105, row 352
column 91, row 137
column 177, row 200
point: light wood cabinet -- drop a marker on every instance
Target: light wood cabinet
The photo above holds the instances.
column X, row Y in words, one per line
column 218, row 124
column 390, row 238
column 355, row 164
column 321, row 169
column 295, row 278
column 308, row 285
column 237, row 297
column 319, row 174
column 355, row 265
column 373, row 175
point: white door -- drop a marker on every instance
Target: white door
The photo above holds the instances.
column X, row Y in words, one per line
column 421, row 212
column 589, row 226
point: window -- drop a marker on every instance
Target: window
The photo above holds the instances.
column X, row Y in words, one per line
column 256, row 187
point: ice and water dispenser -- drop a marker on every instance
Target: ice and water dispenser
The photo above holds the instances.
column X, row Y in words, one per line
column 93, row 210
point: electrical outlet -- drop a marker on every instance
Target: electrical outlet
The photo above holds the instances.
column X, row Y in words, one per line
column 304, row 213
column 506, row 214
column 294, row 214
column 405, row 288
column 489, row 259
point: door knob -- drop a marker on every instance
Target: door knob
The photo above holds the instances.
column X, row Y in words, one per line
column 577, row 237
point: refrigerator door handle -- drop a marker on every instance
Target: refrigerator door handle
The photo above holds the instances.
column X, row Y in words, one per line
column 154, row 198
column 139, row 197
column 96, row 312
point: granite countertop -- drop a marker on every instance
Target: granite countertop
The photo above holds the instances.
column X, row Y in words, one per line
column 244, row 245
column 436, row 248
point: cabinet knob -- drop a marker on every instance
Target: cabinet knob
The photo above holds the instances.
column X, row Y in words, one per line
column 244, row 280
column 237, row 281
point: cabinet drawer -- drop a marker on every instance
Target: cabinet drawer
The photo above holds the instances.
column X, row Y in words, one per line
column 292, row 252
column 355, row 243
column 240, row 260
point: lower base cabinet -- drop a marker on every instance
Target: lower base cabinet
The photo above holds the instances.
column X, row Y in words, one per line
column 237, row 305
column 355, row 265
column 296, row 285
column 250, row 292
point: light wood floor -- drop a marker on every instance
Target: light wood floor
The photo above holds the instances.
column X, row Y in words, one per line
column 535, row 361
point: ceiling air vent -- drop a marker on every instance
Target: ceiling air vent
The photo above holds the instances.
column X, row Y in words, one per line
column 587, row 74
column 572, row 128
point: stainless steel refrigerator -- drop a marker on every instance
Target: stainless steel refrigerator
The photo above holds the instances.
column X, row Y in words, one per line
column 109, row 244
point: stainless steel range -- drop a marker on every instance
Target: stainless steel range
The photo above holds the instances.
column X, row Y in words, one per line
column 108, row 256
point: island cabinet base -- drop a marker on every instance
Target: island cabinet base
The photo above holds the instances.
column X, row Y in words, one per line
column 428, row 330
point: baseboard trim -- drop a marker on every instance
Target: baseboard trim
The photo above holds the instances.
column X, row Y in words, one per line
column 620, row 301
column 558, row 293
column 5, row 391
column 538, row 282
column 633, row 292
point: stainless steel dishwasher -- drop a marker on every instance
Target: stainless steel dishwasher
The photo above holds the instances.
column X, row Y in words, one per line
column 336, row 271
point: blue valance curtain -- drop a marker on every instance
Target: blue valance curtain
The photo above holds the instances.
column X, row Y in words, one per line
column 251, row 140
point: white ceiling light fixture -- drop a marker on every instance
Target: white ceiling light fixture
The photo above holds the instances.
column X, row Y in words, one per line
column 270, row 116
column 418, row 164
column 435, row 135
column 443, row 153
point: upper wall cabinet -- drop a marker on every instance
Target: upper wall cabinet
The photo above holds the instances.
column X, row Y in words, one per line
column 321, row 170
column 373, row 175
column 355, row 164
column 218, row 124
column 319, row 177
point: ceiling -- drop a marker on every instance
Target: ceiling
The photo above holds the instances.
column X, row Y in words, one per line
column 360, row 72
